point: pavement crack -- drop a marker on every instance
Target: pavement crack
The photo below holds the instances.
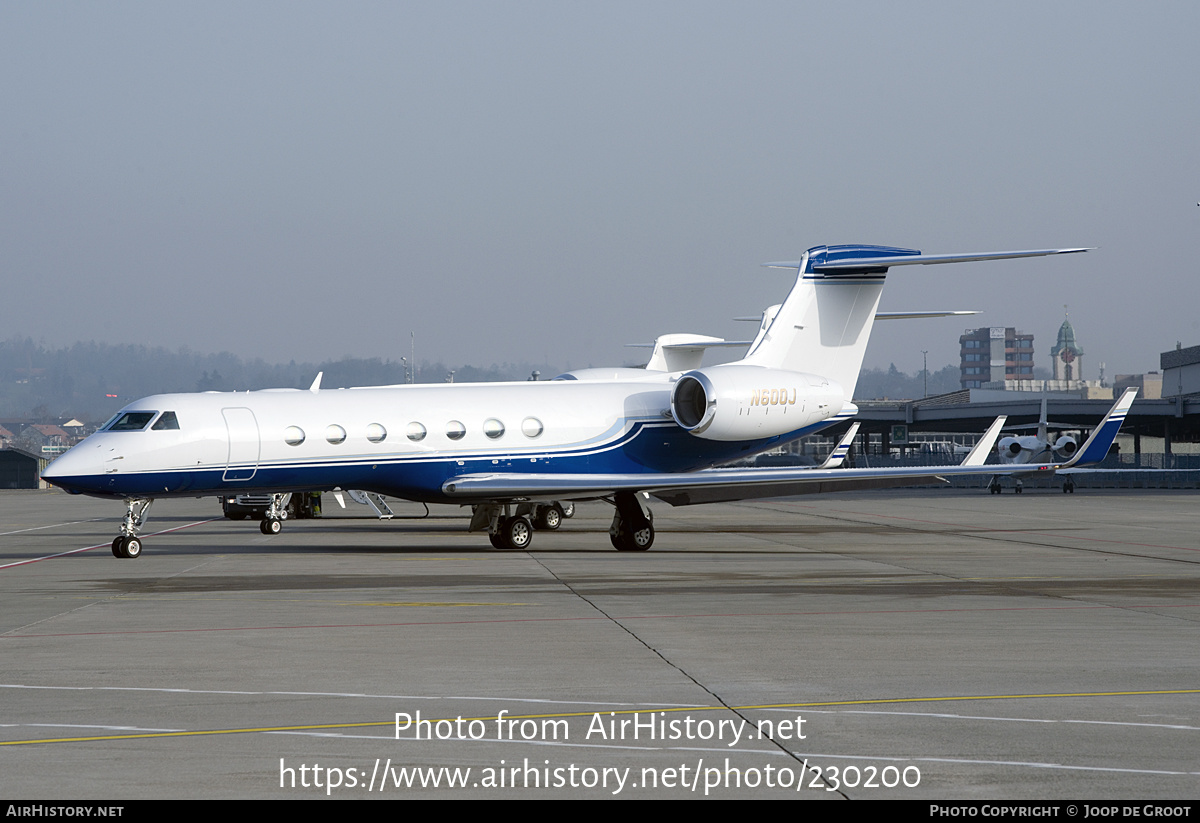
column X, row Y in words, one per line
column 802, row 762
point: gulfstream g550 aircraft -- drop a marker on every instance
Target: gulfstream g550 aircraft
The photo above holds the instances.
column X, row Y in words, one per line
column 511, row 449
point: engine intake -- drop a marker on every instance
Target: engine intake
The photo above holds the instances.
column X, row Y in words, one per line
column 740, row 402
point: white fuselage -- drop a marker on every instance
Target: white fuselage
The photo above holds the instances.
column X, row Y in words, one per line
column 400, row 440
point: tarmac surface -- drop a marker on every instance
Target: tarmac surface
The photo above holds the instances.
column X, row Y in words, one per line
column 943, row 644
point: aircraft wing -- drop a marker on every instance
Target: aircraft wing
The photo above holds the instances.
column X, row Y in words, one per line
column 707, row 486
column 719, row 485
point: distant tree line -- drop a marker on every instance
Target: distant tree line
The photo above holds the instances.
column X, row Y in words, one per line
column 91, row 381
column 893, row 384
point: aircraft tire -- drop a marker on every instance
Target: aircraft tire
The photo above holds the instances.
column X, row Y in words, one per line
column 567, row 509
column 548, row 518
column 497, row 541
column 117, row 547
column 517, row 533
column 270, row 526
column 630, row 541
column 132, row 547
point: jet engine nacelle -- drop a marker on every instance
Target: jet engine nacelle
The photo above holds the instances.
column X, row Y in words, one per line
column 1065, row 446
column 739, row 402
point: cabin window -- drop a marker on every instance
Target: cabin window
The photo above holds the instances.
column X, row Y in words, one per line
column 335, row 434
column 168, row 420
column 132, row 421
column 376, row 433
column 416, row 432
column 531, row 427
column 455, row 430
column 293, row 435
column 493, row 428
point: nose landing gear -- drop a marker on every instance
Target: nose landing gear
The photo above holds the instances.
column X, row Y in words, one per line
column 272, row 522
column 127, row 544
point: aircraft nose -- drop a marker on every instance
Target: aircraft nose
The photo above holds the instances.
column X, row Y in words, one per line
column 76, row 470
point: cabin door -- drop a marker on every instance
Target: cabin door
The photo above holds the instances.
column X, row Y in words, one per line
column 242, row 428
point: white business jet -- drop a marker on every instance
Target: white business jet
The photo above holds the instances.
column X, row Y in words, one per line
column 1041, row 453
column 504, row 447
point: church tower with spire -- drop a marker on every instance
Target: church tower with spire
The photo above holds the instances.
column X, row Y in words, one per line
column 1066, row 354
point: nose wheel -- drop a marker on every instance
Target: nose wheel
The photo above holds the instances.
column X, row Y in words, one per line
column 127, row 544
column 276, row 513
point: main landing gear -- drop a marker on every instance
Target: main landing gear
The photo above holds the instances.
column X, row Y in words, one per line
column 1068, row 486
column 632, row 528
column 272, row 523
column 995, row 488
column 506, row 531
column 510, row 526
column 127, row 544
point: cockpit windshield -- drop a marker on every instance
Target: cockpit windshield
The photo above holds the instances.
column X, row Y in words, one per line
column 133, row 421
column 167, row 421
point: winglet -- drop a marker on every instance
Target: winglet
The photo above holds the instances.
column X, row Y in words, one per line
column 842, row 449
column 1097, row 446
column 979, row 455
column 316, row 384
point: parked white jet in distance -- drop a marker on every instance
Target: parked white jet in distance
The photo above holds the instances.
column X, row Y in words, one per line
column 508, row 447
column 1038, row 452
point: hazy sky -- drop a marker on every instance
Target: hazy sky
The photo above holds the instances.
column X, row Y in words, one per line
column 517, row 181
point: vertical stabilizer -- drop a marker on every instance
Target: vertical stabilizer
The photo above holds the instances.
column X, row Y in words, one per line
column 824, row 324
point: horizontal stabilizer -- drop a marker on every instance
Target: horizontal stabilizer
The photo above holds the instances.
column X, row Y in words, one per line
column 720, row 344
column 683, row 352
column 852, row 265
column 920, row 315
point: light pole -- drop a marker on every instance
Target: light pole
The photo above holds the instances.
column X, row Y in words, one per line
column 925, row 369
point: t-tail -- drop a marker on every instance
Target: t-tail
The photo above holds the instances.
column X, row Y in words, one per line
column 825, row 323
column 801, row 371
